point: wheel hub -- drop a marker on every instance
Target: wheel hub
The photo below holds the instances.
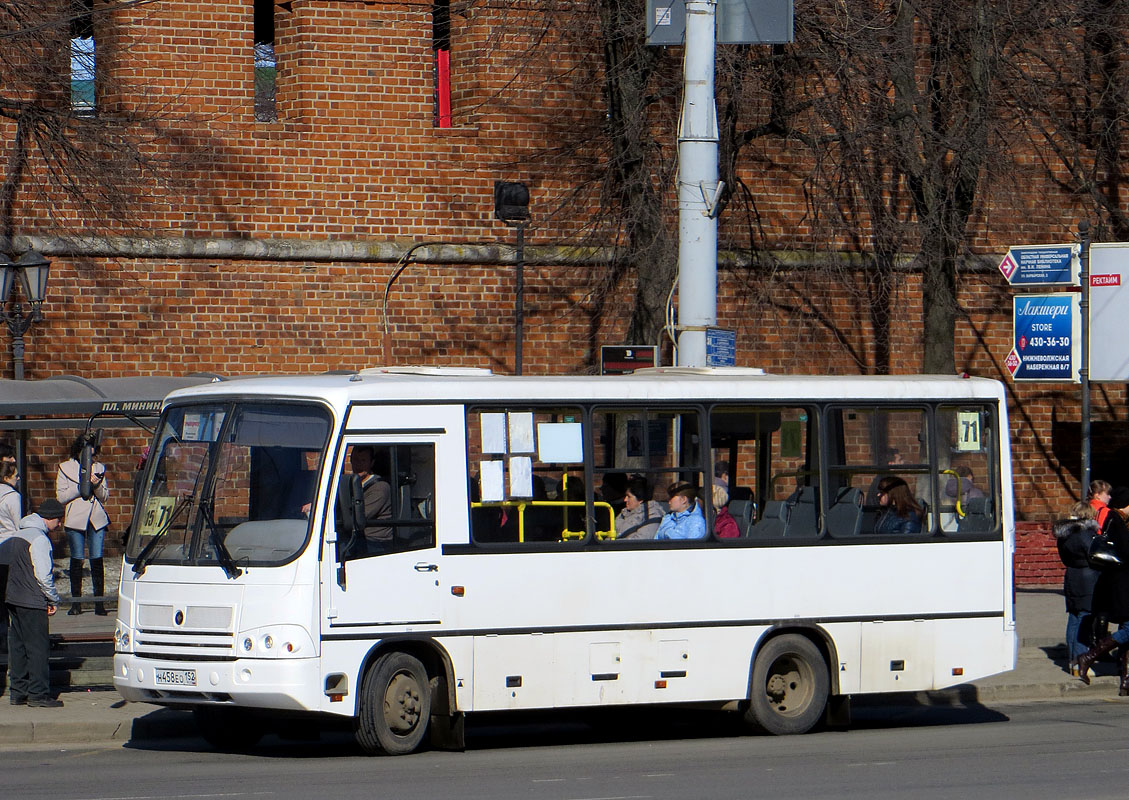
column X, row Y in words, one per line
column 402, row 704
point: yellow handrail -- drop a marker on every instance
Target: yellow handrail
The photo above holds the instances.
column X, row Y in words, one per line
column 953, row 472
column 566, row 534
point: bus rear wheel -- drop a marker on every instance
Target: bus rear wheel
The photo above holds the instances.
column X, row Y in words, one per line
column 789, row 688
column 395, row 706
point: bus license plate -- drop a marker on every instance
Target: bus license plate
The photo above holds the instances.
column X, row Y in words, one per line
column 176, row 677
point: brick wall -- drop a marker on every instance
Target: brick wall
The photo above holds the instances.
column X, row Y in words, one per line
column 354, row 155
column 1036, row 557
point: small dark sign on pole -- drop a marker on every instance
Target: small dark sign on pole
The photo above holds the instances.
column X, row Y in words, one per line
column 616, row 360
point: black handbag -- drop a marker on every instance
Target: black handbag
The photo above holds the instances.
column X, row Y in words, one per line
column 1103, row 554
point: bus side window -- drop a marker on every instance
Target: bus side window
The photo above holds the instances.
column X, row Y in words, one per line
column 385, row 500
column 876, row 447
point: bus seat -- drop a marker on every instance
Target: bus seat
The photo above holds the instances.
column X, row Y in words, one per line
column 773, row 523
column 977, row 516
column 844, row 518
column 743, row 511
column 740, row 493
column 803, row 519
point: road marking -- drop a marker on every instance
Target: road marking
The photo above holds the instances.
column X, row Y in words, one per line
column 182, row 796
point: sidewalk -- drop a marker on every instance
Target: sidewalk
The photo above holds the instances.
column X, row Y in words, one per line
column 102, row 716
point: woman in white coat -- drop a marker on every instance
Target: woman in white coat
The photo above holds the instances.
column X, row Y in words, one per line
column 85, row 522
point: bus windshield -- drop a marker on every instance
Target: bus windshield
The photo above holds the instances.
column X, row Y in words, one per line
column 229, row 484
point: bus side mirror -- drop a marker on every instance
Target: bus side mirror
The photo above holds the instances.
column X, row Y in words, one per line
column 85, row 460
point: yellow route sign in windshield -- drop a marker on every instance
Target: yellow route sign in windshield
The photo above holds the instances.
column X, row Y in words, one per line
column 156, row 516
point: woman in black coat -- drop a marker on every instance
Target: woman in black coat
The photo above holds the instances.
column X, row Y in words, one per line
column 1111, row 595
column 1073, row 536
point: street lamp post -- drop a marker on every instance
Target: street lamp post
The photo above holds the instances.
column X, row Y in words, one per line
column 30, row 269
column 511, row 205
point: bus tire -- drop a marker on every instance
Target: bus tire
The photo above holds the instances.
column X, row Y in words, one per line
column 789, row 688
column 229, row 730
column 395, row 706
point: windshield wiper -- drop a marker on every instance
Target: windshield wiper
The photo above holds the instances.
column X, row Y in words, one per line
column 223, row 555
column 150, row 550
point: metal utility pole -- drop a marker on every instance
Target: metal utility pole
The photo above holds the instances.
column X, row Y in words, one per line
column 1084, row 372
column 698, row 188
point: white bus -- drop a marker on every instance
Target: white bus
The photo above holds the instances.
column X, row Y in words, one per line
column 404, row 546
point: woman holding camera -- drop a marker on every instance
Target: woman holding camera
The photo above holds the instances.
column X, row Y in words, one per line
column 85, row 522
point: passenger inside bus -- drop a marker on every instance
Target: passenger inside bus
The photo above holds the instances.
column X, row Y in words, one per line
column 901, row 513
column 613, row 490
column 377, row 497
column 641, row 515
column 685, row 520
column 724, row 525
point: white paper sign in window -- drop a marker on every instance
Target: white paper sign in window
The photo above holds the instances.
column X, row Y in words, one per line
column 493, row 433
column 493, row 481
column 968, row 430
column 521, row 431
column 521, row 476
column 560, row 443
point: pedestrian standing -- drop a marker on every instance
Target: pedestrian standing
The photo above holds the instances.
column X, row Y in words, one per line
column 30, row 598
column 86, row 522
column 1073, row 536
column 10, row 514
column 1111, row 595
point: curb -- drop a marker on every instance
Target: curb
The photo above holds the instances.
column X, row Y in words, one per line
column 102, row 717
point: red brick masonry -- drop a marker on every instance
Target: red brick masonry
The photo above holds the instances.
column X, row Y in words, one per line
column 1036, row 558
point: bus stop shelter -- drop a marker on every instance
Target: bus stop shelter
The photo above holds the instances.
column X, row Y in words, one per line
column 68, row 401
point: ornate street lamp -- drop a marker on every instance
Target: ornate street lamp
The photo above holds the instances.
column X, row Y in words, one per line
column 31, row 270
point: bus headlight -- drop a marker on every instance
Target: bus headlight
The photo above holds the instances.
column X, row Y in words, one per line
column 278, row 641
column 121, row 638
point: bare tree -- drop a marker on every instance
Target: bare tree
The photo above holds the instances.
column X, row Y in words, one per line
column 613, row 141
column 1074, row 101
column 901, row 107
column 70, row 162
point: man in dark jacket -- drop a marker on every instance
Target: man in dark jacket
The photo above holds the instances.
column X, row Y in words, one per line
column 30, row 598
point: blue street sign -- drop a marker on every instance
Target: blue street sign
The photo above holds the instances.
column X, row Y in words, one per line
column 721, row 347
column 1042, row 264
column 1047, row 340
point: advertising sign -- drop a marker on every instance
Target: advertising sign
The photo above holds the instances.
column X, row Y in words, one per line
column 1109, row 312
column 1042, row 265
column 625, row 360
column 1047, row 338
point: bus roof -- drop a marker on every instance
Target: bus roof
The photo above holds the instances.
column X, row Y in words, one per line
column 451, row 385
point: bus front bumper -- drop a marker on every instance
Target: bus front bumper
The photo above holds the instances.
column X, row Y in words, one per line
column 292, row 684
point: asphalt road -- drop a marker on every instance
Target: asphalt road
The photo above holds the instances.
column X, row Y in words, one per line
column 1052, row 750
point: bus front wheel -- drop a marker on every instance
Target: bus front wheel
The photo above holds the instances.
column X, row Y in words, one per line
column 395, row 706
column 789, row 688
